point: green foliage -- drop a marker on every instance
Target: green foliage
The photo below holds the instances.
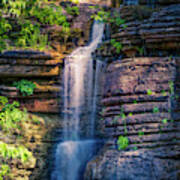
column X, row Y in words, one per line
column 140, row 133
column 4, row 171
column 74, row 10
column 171, row 86
column 25, row 87
column 155, row 110
column 123, row 116
column 12, row 118
column 16, row 8
column 117, row 45
column 149, row 92
column 140, row 50
column 11, row 152
column 75, row 1
column 130, row 114
column 170, row 58
column 164, row 93
column 10, row 115
column 3, row 101
column 106, row 16
column 135, row 148
column 101, row 16
column 28, row 16
column 117, row 21
column 5, row 27
column 35, row 120
column 49, row 14
column 122, row 142
column 165, row 121
column 30, row 36
column 112, row 18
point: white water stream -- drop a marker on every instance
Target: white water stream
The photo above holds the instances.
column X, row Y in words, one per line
column 80, row 97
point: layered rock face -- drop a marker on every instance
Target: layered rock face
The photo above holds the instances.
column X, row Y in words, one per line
column 141, row 98
column 149, row 32
column 140, row 103
column 45, row 69
column 42, row 69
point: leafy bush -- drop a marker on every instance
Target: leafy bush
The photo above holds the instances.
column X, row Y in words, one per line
column 117, row 45
column 74, row 10
column 101, row 16
column 122, row 142
column 10, row 115
column 27, row 19
column 25, row 87
column 3, row 101
column 5, row 27
column 11, row 152
column 106, row 16
column 4, row 171
column 49, row 14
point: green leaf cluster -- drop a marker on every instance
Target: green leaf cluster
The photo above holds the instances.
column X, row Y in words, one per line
column 10, row 115
column 4, row 171
column 25, row 87
column 27, row 18
column 49, row 14
column 117, row 45
column 106, row 16
column 11, row 152
column 101, row 16
column 5, row 27
column 122, row 142
column 74, row 10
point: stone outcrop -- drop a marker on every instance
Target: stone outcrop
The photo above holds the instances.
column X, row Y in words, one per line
column 41, row 68
column 149, row 32
column 141, row 103
column 141, row 96
column 134, row 165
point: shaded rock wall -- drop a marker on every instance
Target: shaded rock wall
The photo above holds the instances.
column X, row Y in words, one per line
column 149, row 32
column 140, row 103
column 141, row 99
column 141, row 89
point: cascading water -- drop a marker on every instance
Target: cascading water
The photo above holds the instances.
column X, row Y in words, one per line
column 80, row 97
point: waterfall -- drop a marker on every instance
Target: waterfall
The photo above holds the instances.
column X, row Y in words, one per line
column 80, row 98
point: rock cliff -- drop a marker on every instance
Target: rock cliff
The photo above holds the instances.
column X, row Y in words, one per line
column 141, row 98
